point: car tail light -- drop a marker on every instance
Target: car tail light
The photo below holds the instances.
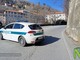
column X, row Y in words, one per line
column 31, row 32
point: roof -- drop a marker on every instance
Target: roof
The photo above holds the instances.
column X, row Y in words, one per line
column 58, row 13
column 14, row 11
column 24, row 23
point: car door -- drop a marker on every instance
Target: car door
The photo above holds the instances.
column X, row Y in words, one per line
column 17, row 31
column 7, row 31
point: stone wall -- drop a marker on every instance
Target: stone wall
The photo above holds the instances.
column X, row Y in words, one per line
column 73, row 25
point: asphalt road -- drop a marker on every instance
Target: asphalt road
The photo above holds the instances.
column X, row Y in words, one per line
column 53, row 47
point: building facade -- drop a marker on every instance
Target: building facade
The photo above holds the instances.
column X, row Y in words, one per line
column 52, row 18
column 15, row 16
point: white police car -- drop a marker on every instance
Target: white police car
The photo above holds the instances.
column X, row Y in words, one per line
column 22, row 32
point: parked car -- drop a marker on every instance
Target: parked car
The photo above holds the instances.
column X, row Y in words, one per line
column 22, row 32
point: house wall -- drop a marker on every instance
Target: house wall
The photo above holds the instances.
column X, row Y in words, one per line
column 55, row 17
column 12, row 16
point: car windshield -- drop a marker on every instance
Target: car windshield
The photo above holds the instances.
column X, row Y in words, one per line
column 34, row 27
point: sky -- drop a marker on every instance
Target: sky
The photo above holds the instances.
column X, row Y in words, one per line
column 55, row 4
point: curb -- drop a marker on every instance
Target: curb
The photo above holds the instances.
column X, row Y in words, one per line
column 67, row 46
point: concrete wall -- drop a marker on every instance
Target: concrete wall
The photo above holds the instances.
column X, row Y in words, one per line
column 73, row 25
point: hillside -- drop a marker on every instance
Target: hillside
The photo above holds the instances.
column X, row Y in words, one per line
column 37, row 12
column 36, row 9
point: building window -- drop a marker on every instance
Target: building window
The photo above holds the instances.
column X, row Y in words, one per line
column 15, row 16
column 11, row 12
column 14, row 12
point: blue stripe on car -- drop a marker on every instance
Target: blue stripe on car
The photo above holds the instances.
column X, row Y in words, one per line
column 12, row 32
column 20, row 33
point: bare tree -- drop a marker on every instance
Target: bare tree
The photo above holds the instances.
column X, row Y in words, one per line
column 66, row 7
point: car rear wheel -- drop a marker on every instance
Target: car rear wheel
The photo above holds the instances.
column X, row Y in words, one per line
column 1, row 36
column 22, row 41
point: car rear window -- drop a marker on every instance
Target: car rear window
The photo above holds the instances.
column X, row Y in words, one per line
column 34, row 27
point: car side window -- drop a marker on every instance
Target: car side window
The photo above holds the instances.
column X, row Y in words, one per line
column 18, row 26
column 9, row 26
